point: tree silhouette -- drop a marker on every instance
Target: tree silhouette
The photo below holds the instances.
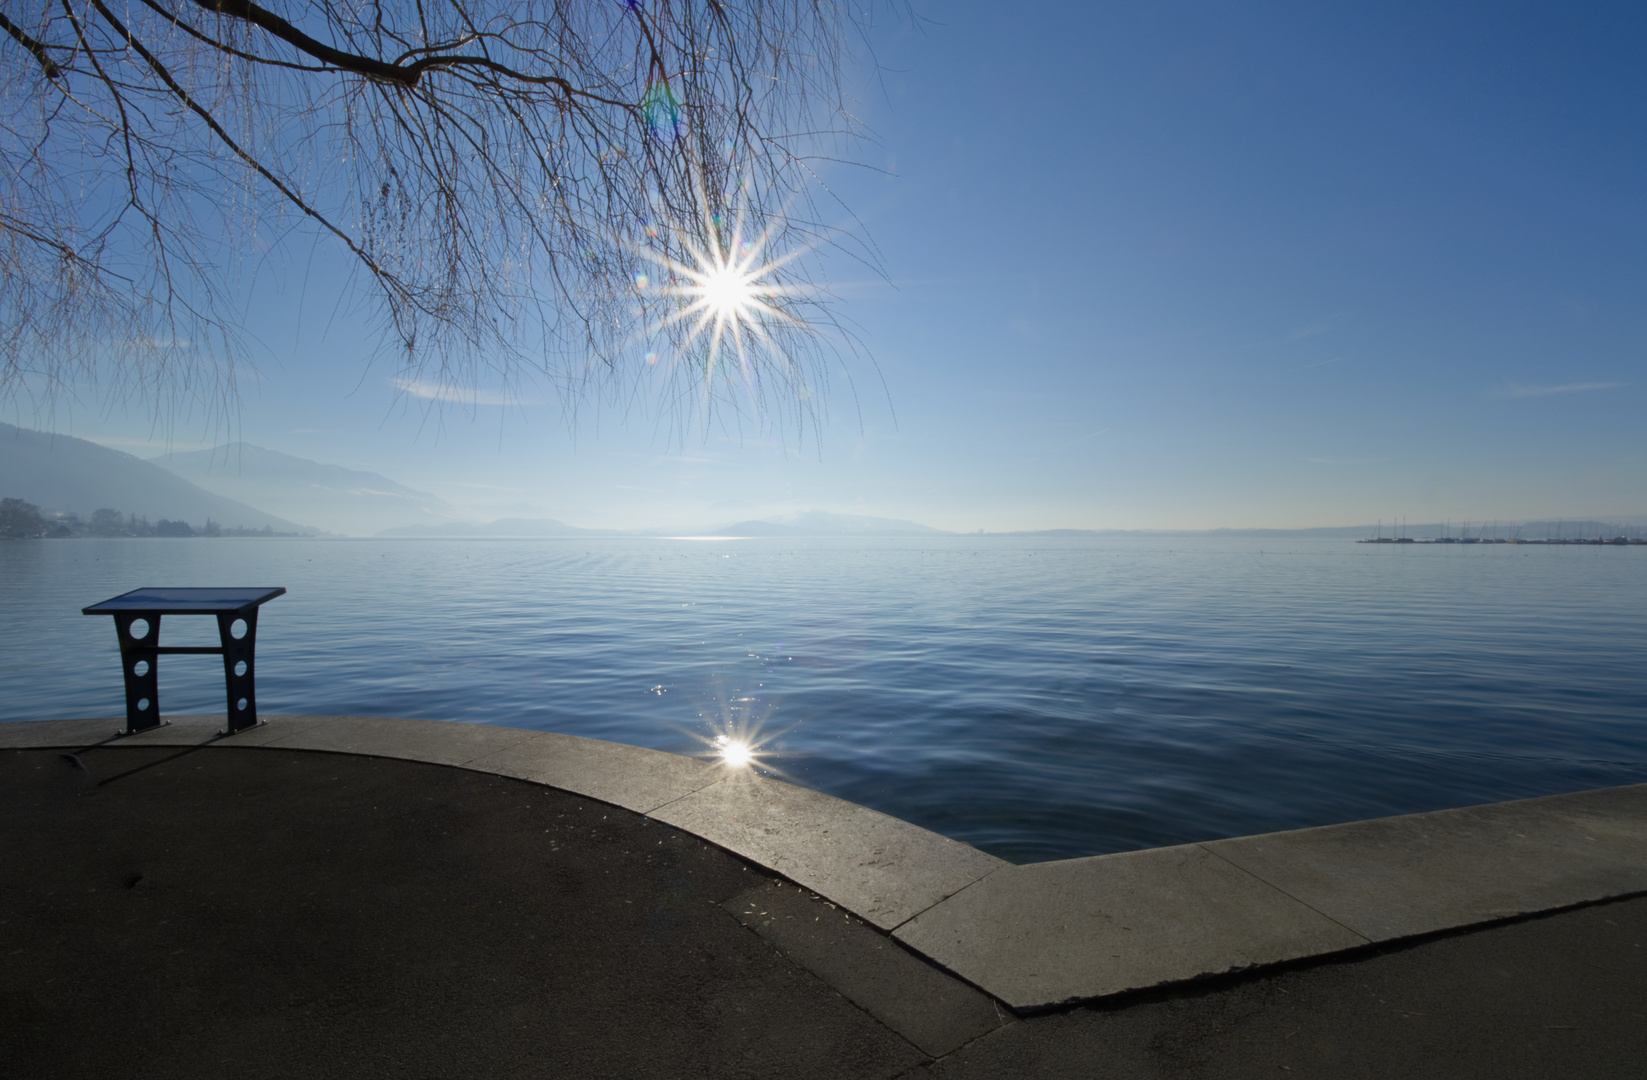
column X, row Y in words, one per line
column 20, row 520
column 510, row 180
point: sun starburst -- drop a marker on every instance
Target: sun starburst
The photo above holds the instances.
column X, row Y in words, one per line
column 735, row 752
column 728, row 295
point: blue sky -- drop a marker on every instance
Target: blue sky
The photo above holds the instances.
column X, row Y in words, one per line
column 1150, row 265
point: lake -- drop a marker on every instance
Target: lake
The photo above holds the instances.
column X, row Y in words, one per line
column 1040, row 698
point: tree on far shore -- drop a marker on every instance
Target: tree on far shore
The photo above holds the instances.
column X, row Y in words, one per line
column 107, row 522
column 20, row 520
column 518, row 185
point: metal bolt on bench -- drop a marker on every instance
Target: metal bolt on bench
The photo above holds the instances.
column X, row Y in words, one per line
column 140, row 652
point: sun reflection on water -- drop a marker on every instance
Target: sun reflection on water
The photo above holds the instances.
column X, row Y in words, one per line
column 735, row 752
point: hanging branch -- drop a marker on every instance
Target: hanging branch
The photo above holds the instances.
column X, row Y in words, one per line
column 498, row 171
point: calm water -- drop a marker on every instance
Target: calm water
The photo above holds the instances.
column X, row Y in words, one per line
column 1038, row 698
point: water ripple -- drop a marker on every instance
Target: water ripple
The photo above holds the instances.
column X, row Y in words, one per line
column 1038, row 698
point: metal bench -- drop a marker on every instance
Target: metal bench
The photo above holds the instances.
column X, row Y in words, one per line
column 137, row 622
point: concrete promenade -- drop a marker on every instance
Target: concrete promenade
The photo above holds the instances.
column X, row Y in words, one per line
column 350, row 897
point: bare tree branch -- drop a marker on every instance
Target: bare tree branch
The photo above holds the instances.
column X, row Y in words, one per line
column 47, row 64
column 521, row 184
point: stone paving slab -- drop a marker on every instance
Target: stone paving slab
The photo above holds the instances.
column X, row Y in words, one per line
column 440, row 742
column 1049, row 933
column 199, row 729
column 1558, row 997
column 185, row 730
column 936, row 1012
column 273, row 729
column 883, row 869
column 46, row 734
column 1419, row 873
column 632, row 777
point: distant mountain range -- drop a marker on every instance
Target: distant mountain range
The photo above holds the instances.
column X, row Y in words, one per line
column 822, row 523
column 337, row 499
column 810, row 523
column 501, row 527
column 65, row 475
column 62, row 474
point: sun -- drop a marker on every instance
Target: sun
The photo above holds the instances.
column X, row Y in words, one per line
column 727, row 291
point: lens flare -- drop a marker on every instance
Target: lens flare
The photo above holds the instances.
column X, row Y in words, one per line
column 663, row 112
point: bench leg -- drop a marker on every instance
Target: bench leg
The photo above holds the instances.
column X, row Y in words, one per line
column 140, row 665
column 239, row 671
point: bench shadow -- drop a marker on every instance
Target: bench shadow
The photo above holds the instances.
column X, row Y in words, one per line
column 75, row 759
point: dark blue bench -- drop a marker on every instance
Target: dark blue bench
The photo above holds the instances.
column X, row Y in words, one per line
column 141, row 609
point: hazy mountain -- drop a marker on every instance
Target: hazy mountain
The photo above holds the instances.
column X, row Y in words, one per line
column 1325, row 532
column 62, row 474
column 501, row 527
column 822, row 523
column 1633, row 524
column 810, row 523
column 1429, row 530
column 338, row 499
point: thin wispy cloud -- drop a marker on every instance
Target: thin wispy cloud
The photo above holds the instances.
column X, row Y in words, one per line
column 1029, row 328
column 1318, row 363
column 1520, row 390
column 1315, row 329
column 456, row 395
column 1325, row 325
